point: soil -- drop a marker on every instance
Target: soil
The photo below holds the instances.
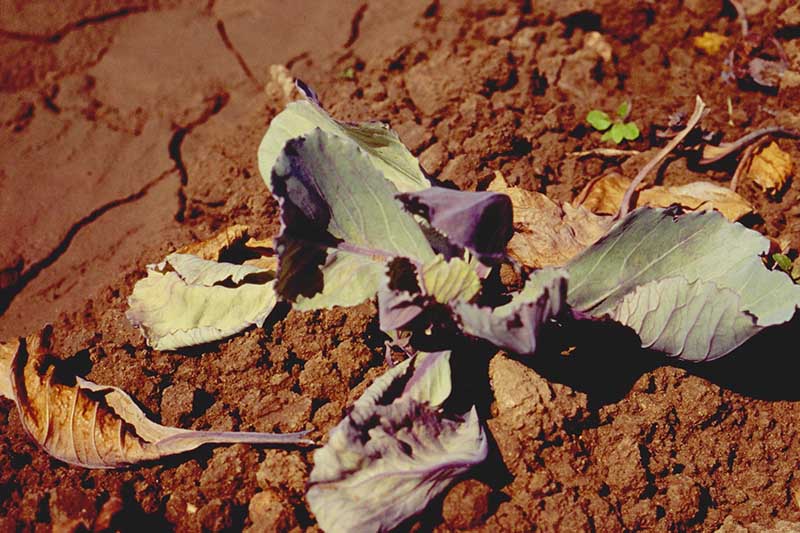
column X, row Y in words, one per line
column 130, row 128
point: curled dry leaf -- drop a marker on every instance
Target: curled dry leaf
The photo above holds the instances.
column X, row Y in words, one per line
column 211, row 249
column 770, row 168
column 95, row 426
column 603, row 196
column 546, row 234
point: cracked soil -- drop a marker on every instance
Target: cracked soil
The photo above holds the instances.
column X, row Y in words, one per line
column 129, row 128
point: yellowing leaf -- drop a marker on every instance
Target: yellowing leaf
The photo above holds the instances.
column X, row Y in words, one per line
column 546, row 234
column 450, row 280
column 771, row 168
column 186, row 301
column 90, row 425
column 603, row 195
column 191, row 298
column 710, row 43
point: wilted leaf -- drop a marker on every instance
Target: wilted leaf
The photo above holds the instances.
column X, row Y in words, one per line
column 91, row 425
column 340, row 223
column 770, row 168
column 546, row 234
column 480, row 222
column 380, row 143
column 603, row 195
column 396, row 450
column 681, row 284
column 515, row 325
column 406, row 290
column 186, row 300
column 710, row 43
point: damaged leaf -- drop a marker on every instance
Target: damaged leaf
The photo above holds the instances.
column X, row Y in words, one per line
column 546, row 234
column 396, row 450
column 406, row 291
column 515, row 325
column 186, row 301
column 771, row 168
column 480, row 222
column 379, row 142
column 604, row 195
column 678, row 282
column 340, row 223
column 95, row 426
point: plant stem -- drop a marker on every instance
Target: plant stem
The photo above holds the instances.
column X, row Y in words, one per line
column 699, row 107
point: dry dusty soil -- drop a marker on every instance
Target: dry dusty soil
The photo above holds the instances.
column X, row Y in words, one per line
column 129, row 128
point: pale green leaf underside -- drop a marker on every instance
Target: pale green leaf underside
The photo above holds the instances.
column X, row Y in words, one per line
column 348, row 278
column 174, row 312
column 381, row 144
column 696, row 321
column 718, row 263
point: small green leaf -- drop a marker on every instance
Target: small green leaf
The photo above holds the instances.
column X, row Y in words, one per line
column 630, row 131
column 598, row 119
column 617, row 133
column 606, row 136
column 349, row 73
column 623, row 110
column 782, row 262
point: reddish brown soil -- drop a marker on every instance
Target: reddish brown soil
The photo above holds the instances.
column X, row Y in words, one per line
column 130, row 128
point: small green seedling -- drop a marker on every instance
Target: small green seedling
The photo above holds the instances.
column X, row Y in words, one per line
column 614, row 130
column 784, row 263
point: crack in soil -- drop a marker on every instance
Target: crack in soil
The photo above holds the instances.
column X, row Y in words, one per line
column 239, row 58
column 72, row 26
column 355, row 25
column 8, row 294
column 216, row 104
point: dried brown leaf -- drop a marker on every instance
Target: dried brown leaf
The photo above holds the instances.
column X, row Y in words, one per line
column 770, row 168
column 603, row 196
column 544, row 233
column 95, row 426
column 212, row 248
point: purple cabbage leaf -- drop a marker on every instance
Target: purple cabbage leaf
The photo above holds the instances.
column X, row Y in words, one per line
column 396, row 450
column 340, row 223
column 515, row 325
column 481, row 222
